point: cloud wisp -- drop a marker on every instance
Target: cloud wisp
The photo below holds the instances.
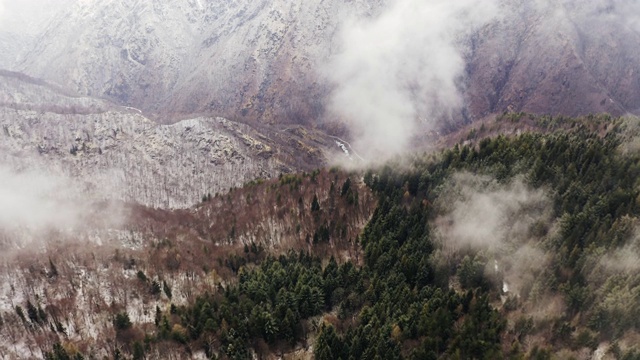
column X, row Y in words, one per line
column 484, row 214
column 402, row 68
column 503, row 221
column 35, row 202
column 31, row 199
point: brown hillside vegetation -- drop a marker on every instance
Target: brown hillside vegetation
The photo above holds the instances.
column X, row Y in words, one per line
column 276, row 214
column 157, row 259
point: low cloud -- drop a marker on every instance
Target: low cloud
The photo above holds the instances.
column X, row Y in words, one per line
column 36, row 202
column 32, row 199
column 505, row 222
column 482, row 213
column 620, row 261
column 402, row 68
column 624, row 259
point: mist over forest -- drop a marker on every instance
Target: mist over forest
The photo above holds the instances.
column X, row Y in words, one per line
column 388, row 179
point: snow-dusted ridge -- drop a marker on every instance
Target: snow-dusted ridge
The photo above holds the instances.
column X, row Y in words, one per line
column 113, row 152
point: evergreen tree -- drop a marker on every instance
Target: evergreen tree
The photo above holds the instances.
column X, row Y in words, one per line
column 315, row 205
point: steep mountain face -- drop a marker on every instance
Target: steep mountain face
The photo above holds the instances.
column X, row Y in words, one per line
column 116, row 153
column 21, row 23
column 560, row 58
column 252, row 58
column 26, row 93
column 260, row 60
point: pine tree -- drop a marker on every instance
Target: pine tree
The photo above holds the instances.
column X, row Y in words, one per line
column 138, row 351
column 315, row 205
column 346, row 187
column 53, row 270
column 167, row 289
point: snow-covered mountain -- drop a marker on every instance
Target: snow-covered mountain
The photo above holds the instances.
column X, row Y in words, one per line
column 21, row 24
column 186, row 57
column 260, row 60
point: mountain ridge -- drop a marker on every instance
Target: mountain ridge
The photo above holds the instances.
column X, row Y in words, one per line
column 261, row 62
column 130, row 157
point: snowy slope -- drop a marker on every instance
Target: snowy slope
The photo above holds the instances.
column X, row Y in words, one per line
column 259, row 60
column 114, row 152
column 186, row 57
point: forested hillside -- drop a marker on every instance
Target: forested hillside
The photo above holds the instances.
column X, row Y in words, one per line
column 521, row 246
column 103, row 286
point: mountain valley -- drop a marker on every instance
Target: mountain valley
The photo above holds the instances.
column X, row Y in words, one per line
column 178, row 181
